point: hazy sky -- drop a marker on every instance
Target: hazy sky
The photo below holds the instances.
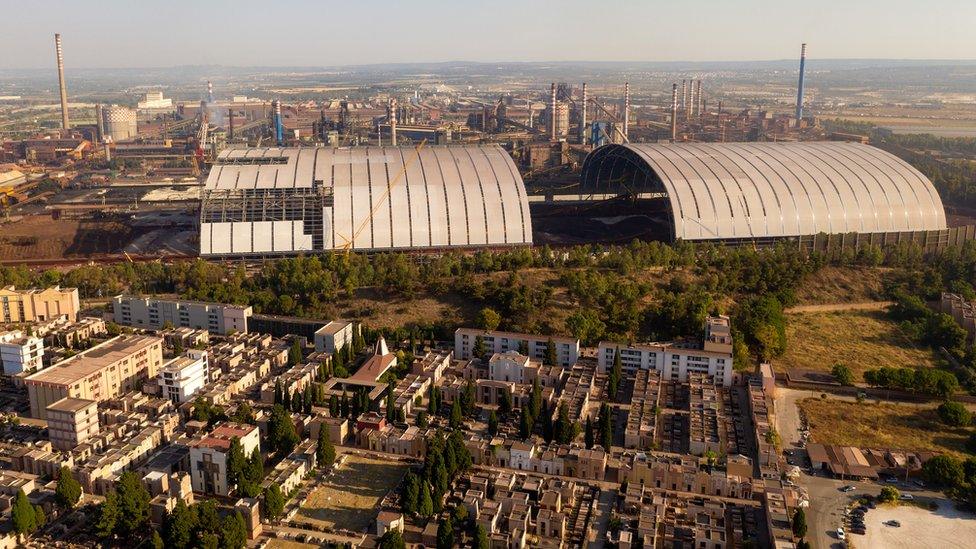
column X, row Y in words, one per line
column 149, row 33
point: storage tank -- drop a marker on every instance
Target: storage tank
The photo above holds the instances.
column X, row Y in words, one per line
column 119, row 123
column 562, row 119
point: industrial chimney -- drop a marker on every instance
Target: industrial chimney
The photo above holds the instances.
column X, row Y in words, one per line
column 392, row 116
column 64, row 90
column 799, row 87
column 582, row 129
column 674, row 112
column 626, row 110
column 210, row 97
column 552, row 112
column 699, row 102
column 279, row 129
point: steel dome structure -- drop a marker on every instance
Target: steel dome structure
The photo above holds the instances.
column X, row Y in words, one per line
column 274, row 201
column 742, row 191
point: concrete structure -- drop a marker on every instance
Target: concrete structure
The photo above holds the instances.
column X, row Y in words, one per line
column 182, row 377
column 63, row 88
column 377, row 364
column 119, row 123
column 208, row 456
column 754, row 191
column 275, row 201
column 711, row 356
column 20, row 352
column 508, row 366
column 104, row 372
column 152, row 314
column 71, row 421
column 334, row 336
column 567, row 349
column 38, row 305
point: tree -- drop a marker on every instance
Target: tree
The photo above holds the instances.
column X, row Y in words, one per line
column 392, row 539
column 23, row 515
column 488, row 319
column 505, row 402
column 954, row 414
column 282, row 436
column 445, row 533
column 157, row 540
column 613, row 378
column 133, row 501
column 551, row 358
column 233, row 532
column 422, row 420
column 325, row 452
column 564, row 428
column 236, row 462
column 178, row 527
column 799, row 523
column 525, row 425
column 478, row 350
column 108, row 515
column 425, row 504
column 68, row 491
column 889, row 494
column 480, row 538
column 588, row 434
column 971, row 443
column 410, row 493
column 295, row 352
column 585, row 325
column 803, row 544
column 274, row 502
column 943, row 470
column 843, row 374
column 456, row 418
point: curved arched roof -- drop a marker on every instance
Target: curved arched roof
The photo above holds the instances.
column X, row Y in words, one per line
column 760, row 190
column 374, row 198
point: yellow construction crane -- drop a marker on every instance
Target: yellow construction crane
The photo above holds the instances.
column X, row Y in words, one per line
column 347, row 245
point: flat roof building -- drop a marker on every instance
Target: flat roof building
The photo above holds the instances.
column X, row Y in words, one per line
column 38, row 305
column 104, row 372
column 567, row 348
column 153, row 313
column 20, row 352
column 183, row 376
column 71, row 421
column 333, row 336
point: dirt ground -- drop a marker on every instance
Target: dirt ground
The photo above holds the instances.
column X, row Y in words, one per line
column 841, row 285
column 860, row 339
column 40, row 237
column 872, row 425
column 945, row 527
column 348, row 499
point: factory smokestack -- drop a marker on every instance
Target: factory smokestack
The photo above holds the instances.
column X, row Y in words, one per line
column 230, row 127
column 684, row 94
column 674, row 112
column 699, row 102
column 64, row 89
column 583, row 117
column 799, row 87
column 279, row 129
column 393, row 121
column 626, row 110
column 552, row 111
column 210, row 97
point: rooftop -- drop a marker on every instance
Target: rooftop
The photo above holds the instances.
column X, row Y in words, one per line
column 88, row 362
column 70, row 405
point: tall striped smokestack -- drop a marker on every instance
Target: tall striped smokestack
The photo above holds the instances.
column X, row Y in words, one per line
column 393, row 121
column 627, row 110
column 699, row 102
column 279, row 129
column 583, row 137
column 552, row 111
column 799, row 87
column 674, row 112
column 64, row 89
column 684, row 94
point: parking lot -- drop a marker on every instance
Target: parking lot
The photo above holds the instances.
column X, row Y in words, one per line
column 946, row 527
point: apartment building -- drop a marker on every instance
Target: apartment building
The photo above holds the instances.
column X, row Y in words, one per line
column 71, row 421
column 534, row 346
column 104, row 372
column 20, row 352
column 38, row 305
column 208, row 456
column 333, row 336
column 182, row 377
column 152, row 314
column 712, row 355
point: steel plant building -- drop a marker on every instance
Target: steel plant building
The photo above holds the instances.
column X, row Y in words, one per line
column 278, row 201
column 768, row 191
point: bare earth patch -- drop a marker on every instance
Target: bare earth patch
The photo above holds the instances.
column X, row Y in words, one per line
column 349, row 498
column 860, row 339
column 945, row 527
column 871, row 425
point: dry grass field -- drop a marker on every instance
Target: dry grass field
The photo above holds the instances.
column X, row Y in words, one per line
column 349, row 498
column 842, row 285
column 869, row 425
column 287, row 544
column 860, row 339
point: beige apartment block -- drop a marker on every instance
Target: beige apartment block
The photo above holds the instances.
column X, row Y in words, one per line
column 37, row 305
column 108, row 370
column 71, row 421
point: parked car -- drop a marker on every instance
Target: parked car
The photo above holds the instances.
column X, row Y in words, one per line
column 840, row 534
column 919, row 483
column 906, row 497
column 848, row 488
column 859, row 531
column 893, row 523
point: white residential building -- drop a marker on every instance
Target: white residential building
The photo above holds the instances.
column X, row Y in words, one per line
column 333, row 336
column 20, row 352
column 183, row 376
column 508, row 366
column 208, row 456
column 152, row 314
column 567, row 349
column 675, row 360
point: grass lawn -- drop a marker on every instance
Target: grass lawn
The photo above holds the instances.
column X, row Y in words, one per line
column 862, row 340
column 349, row 498
column 869, row 425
